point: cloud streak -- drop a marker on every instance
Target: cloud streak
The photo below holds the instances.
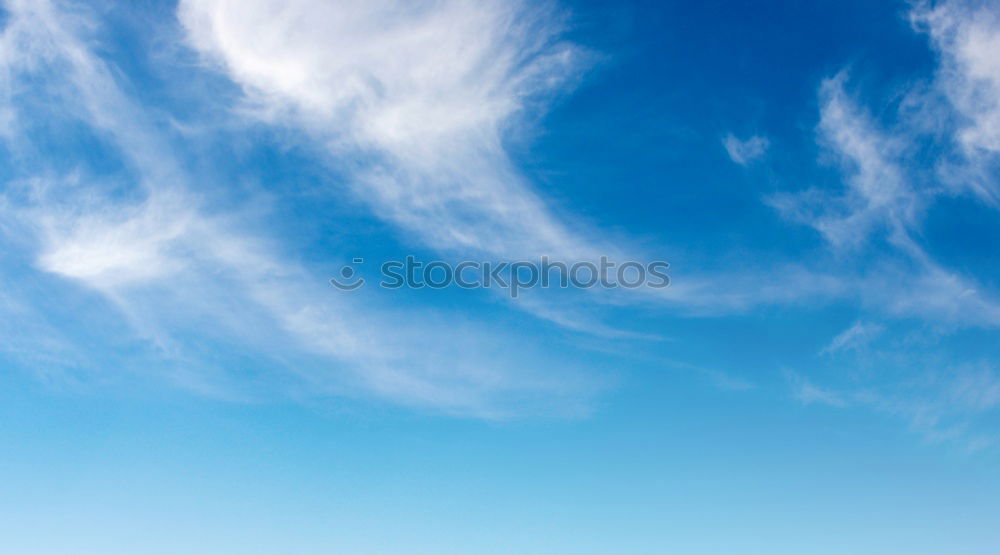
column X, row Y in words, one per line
column 745, row 151
column 206, row 291
column 423, row 92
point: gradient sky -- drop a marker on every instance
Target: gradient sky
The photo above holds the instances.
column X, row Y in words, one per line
column 179, row 181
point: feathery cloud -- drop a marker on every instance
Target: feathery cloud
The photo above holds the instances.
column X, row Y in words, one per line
column 204, row 288
column 422, row 92
column 745, row 151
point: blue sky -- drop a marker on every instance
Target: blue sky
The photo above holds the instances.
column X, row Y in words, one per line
column 181, row 180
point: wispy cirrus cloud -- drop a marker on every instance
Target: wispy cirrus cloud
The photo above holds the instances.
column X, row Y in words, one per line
column 206, row 290
column 877, row 196
column 943, row 402
column 412, row 104
column 745, row 151
column 422, row 92
column 941, row 142
column 880, row 210
column 967, row 36
column 855, row 337
column 415, row 104
column 808, row 393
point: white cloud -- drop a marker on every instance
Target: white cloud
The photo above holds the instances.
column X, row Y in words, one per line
column 808, row 393
column 876, row 220
column 855, row 337
column 177, row 272
column 415, row 101
column 423, row 91
column 976, row 389
column 877, row 195
column 943, row 403
column 170, row 268
column 966, row 35
column 745, row 151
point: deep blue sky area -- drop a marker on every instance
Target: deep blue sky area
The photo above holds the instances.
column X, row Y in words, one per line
column 642, row 136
